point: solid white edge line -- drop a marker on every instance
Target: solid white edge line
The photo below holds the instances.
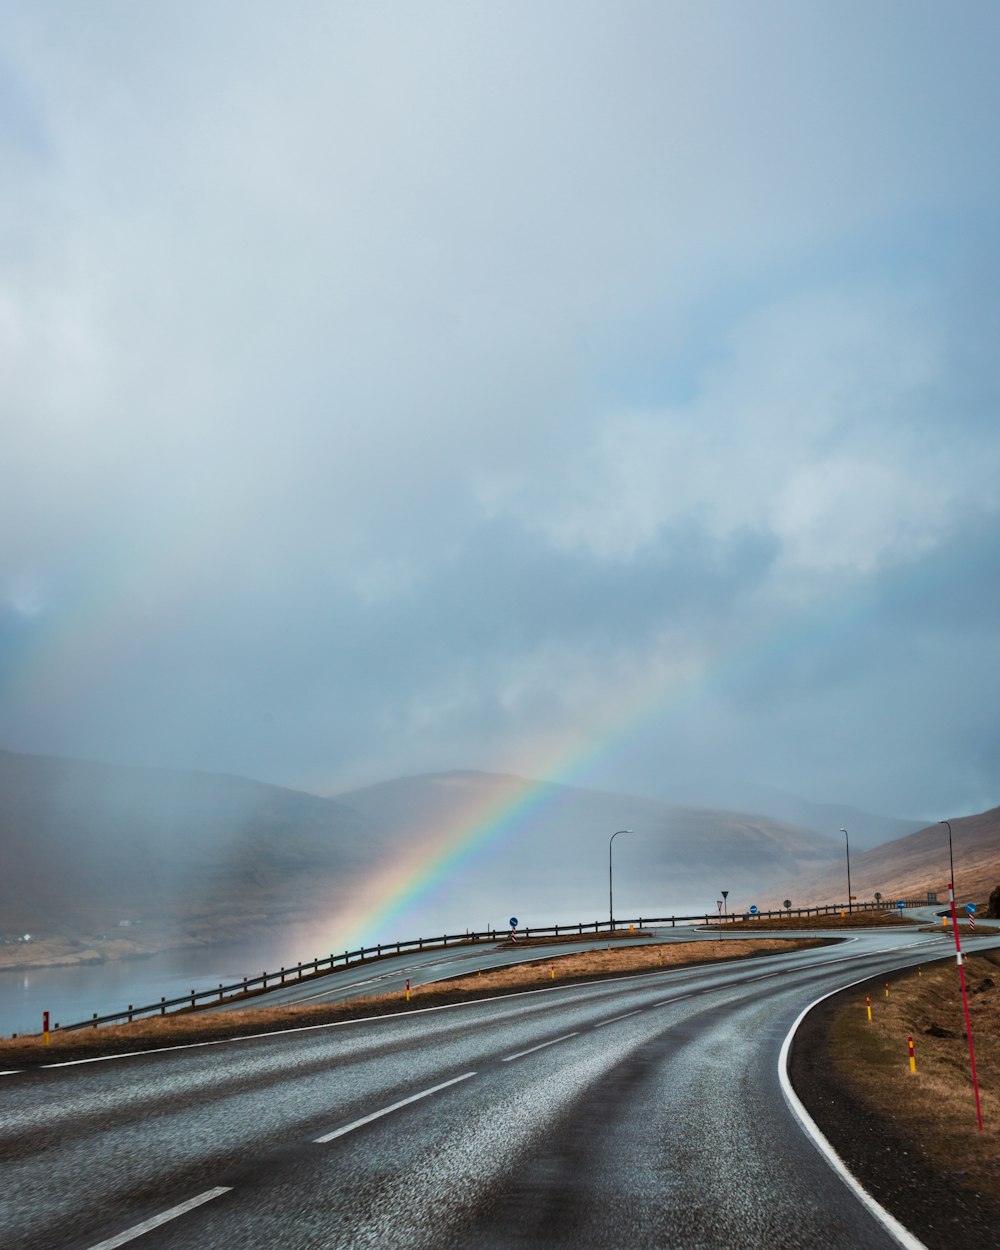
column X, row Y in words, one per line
column 403, row 1102
column 902, row 1235
column 531, row 1049
column 164, row 1217
column 615, row 1019
column 11, row 1072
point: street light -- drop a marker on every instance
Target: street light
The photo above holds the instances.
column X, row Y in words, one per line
column 951, row 861
column 611, row 895
column 847, row 841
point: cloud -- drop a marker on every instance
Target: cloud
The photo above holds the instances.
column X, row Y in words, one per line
column 389, row 389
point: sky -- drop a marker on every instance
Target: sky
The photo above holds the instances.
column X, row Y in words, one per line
column 598, row 392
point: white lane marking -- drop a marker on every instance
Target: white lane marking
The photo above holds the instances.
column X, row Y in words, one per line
column 897, row 1231
column 164, row 1217
column 403, row 1102
column 11, row 1072
column 763, row 978
column 665, row 1002
column 531, row 1049
column 615, row 1019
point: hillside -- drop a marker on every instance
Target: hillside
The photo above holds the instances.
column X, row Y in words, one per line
column 913, row 865
column 187, row 857
column 867, row 829
column 180, row 856
column 542, row 849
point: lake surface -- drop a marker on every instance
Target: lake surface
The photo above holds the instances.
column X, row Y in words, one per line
column 74, row 993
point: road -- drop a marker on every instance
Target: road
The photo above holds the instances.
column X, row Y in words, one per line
column 638, row 1112
column 389, row 974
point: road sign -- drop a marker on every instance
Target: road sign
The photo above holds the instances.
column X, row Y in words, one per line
column 901, row 904
column 513, row 922
column 970, row 908
column 753, row 909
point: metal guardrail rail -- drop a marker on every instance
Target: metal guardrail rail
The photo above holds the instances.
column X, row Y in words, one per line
column 250, row 987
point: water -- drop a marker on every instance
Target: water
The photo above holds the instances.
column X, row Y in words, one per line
column 74, row 993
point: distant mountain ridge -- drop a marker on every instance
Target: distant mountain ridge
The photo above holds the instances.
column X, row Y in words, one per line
column 677, row 858
column 199, row 857
column 88, row 845
column 911, row 866
column 865, row 828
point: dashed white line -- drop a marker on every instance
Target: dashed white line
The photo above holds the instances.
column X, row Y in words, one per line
column 11, row 1072
column 403, row 1102
column 665, row 1002
column 164, row 1217
column 615, row 1019
column 541, row 1046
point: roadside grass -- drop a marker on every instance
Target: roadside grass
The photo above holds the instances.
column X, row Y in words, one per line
column 850, row 920
column 199, row 1026
column 935, row 1108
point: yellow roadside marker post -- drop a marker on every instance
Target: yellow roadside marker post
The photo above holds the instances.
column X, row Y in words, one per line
column 407, row 989
column 868, row 1004
column 913, row 1060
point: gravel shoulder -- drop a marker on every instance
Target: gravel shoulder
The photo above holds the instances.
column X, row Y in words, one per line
column 898, row 1151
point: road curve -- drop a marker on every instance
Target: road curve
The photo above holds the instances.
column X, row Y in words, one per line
column 637, row 1112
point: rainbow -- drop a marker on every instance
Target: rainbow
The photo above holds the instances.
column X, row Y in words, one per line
column 396, row 887
column 69, row 650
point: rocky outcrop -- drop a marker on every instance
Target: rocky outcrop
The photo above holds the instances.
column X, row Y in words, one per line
column 993, row 912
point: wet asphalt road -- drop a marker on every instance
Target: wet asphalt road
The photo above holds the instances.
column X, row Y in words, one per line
column 389, row 974
column 643, row 1112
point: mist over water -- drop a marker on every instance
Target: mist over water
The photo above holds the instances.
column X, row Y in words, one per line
column 72, row 994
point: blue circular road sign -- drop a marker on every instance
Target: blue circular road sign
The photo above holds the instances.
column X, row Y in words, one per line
column 513, row 922
column 753, row 909
column 970, row 909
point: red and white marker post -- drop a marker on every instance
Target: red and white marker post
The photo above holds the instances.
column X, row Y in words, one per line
column 965, row 1002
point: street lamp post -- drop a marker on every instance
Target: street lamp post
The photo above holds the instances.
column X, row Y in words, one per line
column 847, row 842
column 951, row 861
column 611, row 893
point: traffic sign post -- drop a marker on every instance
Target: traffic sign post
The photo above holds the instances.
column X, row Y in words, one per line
column 513, row 928
column 970, row 911
column 753, row 909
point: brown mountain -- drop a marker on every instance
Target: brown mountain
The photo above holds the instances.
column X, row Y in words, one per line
column 909, row 867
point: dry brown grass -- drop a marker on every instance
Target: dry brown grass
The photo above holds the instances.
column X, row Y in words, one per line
column 597, row 963
column 850, row 920
column 200, row 1026
column 935, row 1108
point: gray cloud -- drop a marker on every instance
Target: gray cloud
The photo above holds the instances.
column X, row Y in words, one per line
column 388, row 389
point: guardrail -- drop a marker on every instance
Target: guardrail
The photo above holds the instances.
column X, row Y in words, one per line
column 251, row 987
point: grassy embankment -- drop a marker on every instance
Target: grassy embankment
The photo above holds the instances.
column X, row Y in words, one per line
column 934, row 1108
column 849, row 920
column 199, row 1026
